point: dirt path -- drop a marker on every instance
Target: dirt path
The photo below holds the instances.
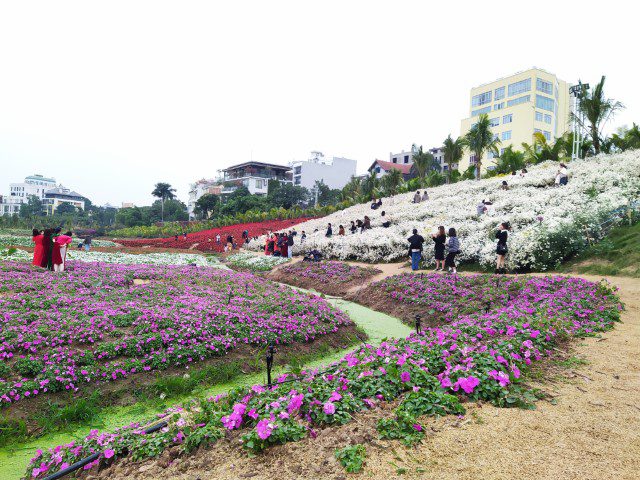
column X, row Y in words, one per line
column 592, row 432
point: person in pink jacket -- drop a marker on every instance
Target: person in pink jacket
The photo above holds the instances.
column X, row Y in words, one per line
column 59, row 260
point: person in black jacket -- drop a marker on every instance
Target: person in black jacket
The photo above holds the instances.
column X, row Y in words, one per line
column 329, row 231
column 501, row 248
column 415, row 249
column 439, row 239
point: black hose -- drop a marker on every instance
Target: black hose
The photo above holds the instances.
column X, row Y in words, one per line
column 81, row 463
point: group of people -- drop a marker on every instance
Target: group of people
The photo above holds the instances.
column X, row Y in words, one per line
column 448, row 243
column 50, row 250
column 417, row 198
column 280, row 244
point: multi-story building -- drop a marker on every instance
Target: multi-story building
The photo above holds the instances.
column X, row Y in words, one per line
column 438, row 156
column 255, row 176
column 334, row 172
column 19, row 193
column 402, row 158
column 55, row 197
column 519, row 106
column 200, row 188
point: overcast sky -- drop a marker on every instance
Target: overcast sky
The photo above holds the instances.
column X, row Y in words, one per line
column 112, row 97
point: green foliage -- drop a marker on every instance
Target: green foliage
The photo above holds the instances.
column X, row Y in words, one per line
column 453, row 151
column 480, row 139
column 509, row 161
column 163, row 191
column 80, row 411
column 27, row 367
column 11, row 430
column 33, row 207
column 352, row 457
column 206, row 205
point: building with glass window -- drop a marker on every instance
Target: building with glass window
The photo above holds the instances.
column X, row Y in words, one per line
column 519, row 106
column 255, row 176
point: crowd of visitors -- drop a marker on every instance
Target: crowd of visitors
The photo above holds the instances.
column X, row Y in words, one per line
column 281, row 244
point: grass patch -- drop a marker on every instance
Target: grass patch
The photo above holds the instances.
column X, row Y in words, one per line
column 80, row 411
column 573, row 362
column 12, row 431
column 617, row 254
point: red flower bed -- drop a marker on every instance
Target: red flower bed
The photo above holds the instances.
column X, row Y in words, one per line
column 200, row 240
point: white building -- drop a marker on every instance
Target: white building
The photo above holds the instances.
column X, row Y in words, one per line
column 255, row 176
column 45, row 189
column 402, row 158
column 19, row 193
column 334, row 172
column 438, row 155
column 200, row 188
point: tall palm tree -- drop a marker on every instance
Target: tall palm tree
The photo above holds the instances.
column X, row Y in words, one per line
column 392, row 181
column 453, row 151
column 510, row 161
column 597, row 109
column 422, row 162
column 163, row 191
column 369, row 185
column 540, row 150
column 480, row 139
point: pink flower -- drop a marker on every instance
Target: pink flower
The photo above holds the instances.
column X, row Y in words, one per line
column 405, row 377
column 417, row 427
column 335, row 397
column 295, row 403
column 108, row 453
column 468, row 384
column 264, row 428
column 329, row 408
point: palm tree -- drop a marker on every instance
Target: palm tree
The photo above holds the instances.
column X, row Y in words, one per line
column 369, row 185
column 596, row 109
column 392, row 180
column 163, row 191
column 480, row 139
column 586, row 146
column 422, row 162
column 540, row 150
column 510, row 161
column 453, row 151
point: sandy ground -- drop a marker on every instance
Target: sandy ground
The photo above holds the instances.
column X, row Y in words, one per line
column 591, row 432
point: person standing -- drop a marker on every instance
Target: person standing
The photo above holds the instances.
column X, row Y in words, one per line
column 38, row 249
column 284, row 248
column 87, row 243
column 415, row 249
column 218, row 238
column 290, row 244
column 454, row 249
column 46, row 247
column 439, row 239
column 60, row 251
column 53, row 249
column 501, row 247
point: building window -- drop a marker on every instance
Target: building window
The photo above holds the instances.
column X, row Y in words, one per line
column 395, row 160
column 507, row 118
column 480, row 111
column 537, row 130
column 498, row 106
column 545, row 103
column 472, row 160
column 506, row 135
column 297, row 170
column 519, row 100
column 547, row 119
column 494, row 122
column 539, row 116
column 490, row 155
column 519, row 87
column 481, row 99
column 499, row 93
column 406, row 159
column 297, row 181
column 544, row 86
column 547, row 135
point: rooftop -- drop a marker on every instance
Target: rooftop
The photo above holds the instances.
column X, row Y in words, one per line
column 405, row 168
column 60, row 190
column 275, row 166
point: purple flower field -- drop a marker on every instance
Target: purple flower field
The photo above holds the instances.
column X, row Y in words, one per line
column 95, row 324
column 478, row 355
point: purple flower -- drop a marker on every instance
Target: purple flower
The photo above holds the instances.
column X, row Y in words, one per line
column 405, row 377
column 329, row 408
column 264, row 428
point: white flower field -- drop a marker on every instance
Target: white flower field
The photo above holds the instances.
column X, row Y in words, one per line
column 549, row 222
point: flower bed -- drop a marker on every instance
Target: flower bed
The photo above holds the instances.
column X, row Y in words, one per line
column 478, row 356
column 255, row 263
column 13, row 240
column 330, row 277
column 97, row 324
column 549, row 223
column 205, row 240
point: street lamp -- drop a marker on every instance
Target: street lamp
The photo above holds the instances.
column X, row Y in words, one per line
column 576, row 92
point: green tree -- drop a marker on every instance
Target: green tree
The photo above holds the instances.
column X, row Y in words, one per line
column 369, row 186
column 163, row 191
column 171, row 210
column 33, row 207
column 352, row 189
column 326, row 195
column 596, row 109
column 510, row 160
column 480, row 139
column 287, row 195
column 422, row 162
column 392, row 180
column 540, row 150
column 65, row 208
column 206, row 205
column 453, row 151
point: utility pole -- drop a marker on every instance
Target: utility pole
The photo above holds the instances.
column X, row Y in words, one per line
column 576, row 92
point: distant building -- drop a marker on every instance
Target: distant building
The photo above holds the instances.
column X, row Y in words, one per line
column 335, row 172
column 255, row 176
column 381, row 168
column 200, row 188
column 19, row 193
column 519, row 106
column 55, row 197
column 402, row 158
column 438, row 155
column 128, row 205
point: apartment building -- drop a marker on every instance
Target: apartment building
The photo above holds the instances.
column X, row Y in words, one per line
column 335, row 172
column 519, row 106
column 255, row 176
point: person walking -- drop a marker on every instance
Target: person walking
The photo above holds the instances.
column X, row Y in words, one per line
column 454, row 249
column 38, row 249
column 501, row 247
column 439, row 239
column 415, row 249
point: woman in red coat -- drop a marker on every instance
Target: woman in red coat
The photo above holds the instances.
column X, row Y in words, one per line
column 39, row 256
